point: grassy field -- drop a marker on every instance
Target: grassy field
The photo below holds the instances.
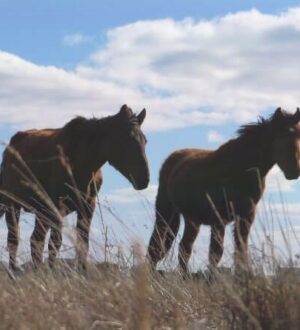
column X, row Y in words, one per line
column 122, row 296
column 111, row 298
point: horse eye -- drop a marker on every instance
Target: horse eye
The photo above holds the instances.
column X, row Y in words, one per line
column 292, row 130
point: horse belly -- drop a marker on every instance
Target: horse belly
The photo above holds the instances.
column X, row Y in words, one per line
column 37, row 185
column 202, row 207
column 206, row 204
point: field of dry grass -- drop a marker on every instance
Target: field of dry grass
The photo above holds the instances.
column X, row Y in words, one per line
column 112, row 298
column 123, row 296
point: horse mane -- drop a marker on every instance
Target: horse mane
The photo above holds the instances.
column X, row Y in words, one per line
column 252, row 133
column 80, row 122
column 254, row 129
column 263, row 125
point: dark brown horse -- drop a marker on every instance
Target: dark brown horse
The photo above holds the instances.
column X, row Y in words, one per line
column 216, row 187
column 53, row 172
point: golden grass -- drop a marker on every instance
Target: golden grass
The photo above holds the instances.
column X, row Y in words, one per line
column 132, row 298
column 108, row 298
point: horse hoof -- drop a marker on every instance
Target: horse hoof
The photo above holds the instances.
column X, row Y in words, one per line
column 51, row 264
column 186, row 275
column 82, row 269
column 16, row 269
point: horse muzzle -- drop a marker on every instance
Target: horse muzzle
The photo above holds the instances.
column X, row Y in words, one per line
column 140, row 183
column 292, row 175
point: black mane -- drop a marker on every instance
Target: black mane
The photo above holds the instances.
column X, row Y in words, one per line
column 81, row 122
column 262, row 126
column 253, row 128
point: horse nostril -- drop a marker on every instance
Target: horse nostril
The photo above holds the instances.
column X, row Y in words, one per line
column 292, row 175
column 143, row 183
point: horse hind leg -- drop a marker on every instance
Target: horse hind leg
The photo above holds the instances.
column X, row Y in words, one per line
column 12, row 221
column 37, row 240
column 190, row 233
column 165, row 230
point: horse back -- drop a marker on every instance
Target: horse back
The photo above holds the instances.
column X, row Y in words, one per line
column 27, row 158
column 35, row 144
column 178, row 163
column 43, row 156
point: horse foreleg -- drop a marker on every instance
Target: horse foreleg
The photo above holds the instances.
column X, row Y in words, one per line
column 241, row 234
column 12, row 221
column 82, row 248
column 190, row 233
column 216, row 247
column 55, row 242
column 37, row 240
column 84, row 220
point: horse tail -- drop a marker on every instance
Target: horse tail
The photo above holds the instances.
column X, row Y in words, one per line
column 2, row 208
column 167, row 219
column 2, row 202
column 163, row 205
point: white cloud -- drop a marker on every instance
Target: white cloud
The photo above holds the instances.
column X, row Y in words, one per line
column 280, row 223
column 291, row 210
column 33, row 95
column 225, row 65
column 214, row 136
column 185, row 72
column 75, row 39
column 129, row 195
column 276, row 181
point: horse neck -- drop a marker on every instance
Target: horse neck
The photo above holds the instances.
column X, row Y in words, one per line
column 95, row 145
column 242, row 154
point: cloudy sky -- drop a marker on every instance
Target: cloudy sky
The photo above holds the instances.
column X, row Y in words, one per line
column 201, row 68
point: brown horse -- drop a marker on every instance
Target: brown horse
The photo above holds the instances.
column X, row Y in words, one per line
column 216, row 187
column 53, row 172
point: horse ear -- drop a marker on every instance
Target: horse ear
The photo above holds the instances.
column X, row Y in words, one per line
column 141, row 116
column 125, row 111
column 297, row 115
column 278, row 113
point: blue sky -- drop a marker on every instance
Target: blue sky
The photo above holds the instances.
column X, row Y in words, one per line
column 34, row 29
column 201, row 68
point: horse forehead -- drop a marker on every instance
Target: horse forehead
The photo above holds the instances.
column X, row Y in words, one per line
column 138, row 133
column 133, row 129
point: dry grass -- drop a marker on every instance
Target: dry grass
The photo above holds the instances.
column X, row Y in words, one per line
column 132, row 298
column 103, row 299
column 108, row 298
